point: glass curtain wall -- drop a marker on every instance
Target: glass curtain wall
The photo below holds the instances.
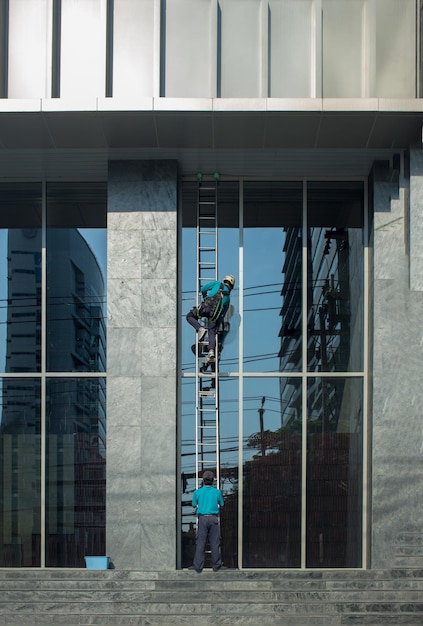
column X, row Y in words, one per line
column 53, row 424
column 292, row 373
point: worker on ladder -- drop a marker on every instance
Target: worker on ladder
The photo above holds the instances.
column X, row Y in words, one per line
column 215, row 304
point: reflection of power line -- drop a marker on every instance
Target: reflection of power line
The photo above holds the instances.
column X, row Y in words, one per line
column 253, row 358
column 288, row 286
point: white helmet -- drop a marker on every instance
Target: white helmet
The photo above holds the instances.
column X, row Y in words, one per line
column 230, row 281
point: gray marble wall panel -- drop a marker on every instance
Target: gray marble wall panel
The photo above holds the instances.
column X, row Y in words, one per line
column 416, row 220
column 397, row 398
column 141, row 368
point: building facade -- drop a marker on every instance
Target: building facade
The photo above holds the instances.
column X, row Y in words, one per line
column 307, row 117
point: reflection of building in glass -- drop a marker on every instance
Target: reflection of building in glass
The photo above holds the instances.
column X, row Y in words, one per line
column 75, row 313
column 75, row 407
column 290, row 350
column 24, row 301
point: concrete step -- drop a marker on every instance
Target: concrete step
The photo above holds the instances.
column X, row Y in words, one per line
column 230, row 597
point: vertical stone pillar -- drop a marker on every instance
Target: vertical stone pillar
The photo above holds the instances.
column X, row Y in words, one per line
column 397, row 469
column 141, row 364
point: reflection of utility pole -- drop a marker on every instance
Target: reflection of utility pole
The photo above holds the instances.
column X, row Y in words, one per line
column 323, row 367
column 261, row 413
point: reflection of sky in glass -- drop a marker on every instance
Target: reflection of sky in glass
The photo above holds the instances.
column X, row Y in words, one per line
column 263, row 262
column 96, row 238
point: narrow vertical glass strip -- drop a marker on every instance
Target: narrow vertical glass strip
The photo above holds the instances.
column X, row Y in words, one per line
column 56, row 44
column 109, row 48
column 4, row 47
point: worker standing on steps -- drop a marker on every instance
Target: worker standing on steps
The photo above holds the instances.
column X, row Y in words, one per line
column 207, row 500
column 216, row 301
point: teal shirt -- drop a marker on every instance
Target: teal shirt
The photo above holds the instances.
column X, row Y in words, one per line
column 207, row 499
column 211, row 288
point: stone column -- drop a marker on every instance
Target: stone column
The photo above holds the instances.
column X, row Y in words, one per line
column 397, row 449
column 141, row 364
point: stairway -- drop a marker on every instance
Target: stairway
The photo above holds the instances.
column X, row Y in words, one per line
column 286, row 598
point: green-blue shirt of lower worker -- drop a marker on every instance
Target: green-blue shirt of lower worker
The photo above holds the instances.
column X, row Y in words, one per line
column 207, row 499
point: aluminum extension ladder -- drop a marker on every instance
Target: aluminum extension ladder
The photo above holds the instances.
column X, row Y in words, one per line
column 207, row 445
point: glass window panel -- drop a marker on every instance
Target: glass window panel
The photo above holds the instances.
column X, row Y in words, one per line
column 83, row 48
column 272, row 473
column 335, row 276
column 187, row 463
column 395, row 43
column 228, row 247
column 75, row 470
column 133, row 48
column 76, row 277
column 239, row 73
column 28, row 55
column 272, row 276
column 20, row 277
column 290, row 29
column 20, row 469
column 334, row 472
column 229, row 483
column 343, row 48
column 189, row 67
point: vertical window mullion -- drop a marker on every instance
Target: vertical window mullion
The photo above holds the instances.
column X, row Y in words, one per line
column 365, row 442
column 43, row 377
column 304, row 383
column 241, row 377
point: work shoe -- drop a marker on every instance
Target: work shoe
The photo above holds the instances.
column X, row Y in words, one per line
column 211, row 356
column 191, row 567
column 218, row 569
column 201, row 334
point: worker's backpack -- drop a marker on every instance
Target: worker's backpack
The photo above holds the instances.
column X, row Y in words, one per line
column 211, row 307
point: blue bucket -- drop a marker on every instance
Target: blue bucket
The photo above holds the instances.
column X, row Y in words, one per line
column 97, row 562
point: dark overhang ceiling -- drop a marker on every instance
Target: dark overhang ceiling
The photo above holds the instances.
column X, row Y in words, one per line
column 314, row 129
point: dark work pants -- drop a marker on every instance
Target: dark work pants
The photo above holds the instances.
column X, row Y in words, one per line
column 208, row 526
column 192, row 319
